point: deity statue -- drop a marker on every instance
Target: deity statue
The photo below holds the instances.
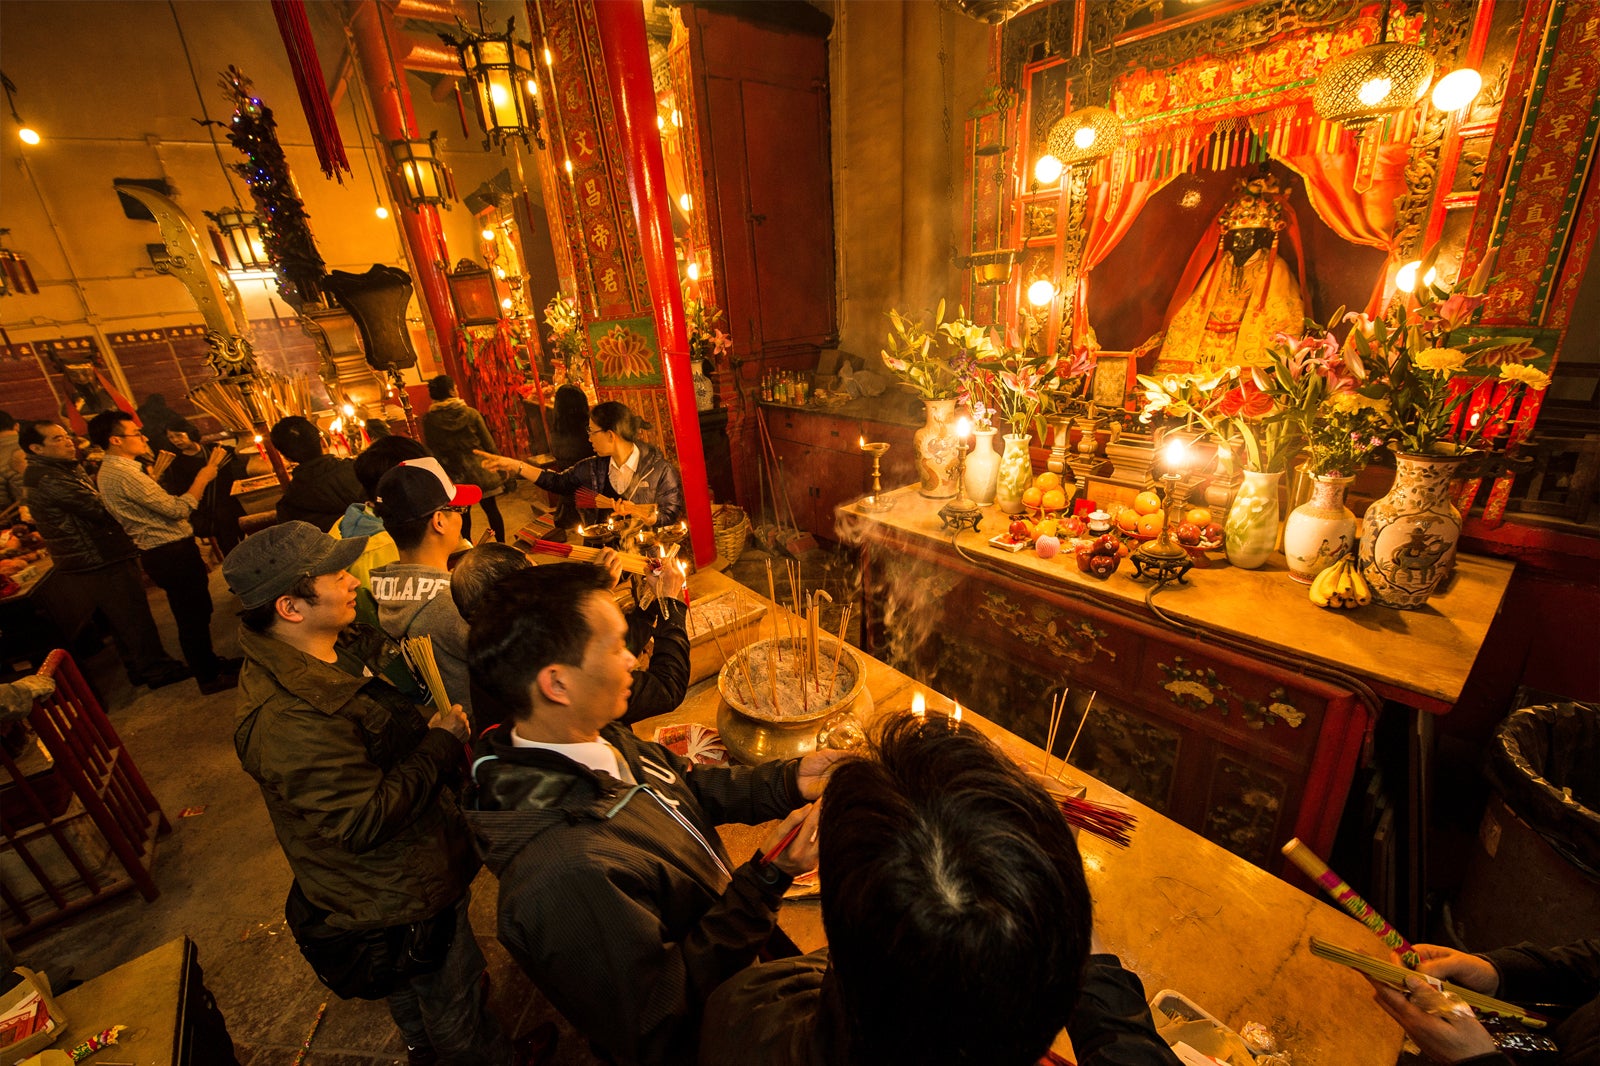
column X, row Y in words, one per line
column 1246, row 293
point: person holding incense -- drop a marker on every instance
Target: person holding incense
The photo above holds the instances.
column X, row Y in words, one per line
column 624, row 476
column 360, row 784
column 423, row 510
column 958, row 920
column 657, row 688
column 1562, row 982
column 617, row 896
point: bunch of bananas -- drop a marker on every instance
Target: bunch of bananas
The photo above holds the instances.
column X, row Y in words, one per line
column 1341, row 585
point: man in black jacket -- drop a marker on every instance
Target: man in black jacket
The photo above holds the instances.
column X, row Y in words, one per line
column 616, row 895
column 958, row 922
column 322, row 486
column 94, row 558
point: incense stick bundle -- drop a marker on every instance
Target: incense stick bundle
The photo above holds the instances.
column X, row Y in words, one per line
column 1111, row 824
column 163, row 461
column 583, row 553
column 844, row 626
column 1057, row 705
column 1067, row 758
column 418, row 652
column 1391, row 974
column 591, row 500
column 222, row 402
column 1345, row 896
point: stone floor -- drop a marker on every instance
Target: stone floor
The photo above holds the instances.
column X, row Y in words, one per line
column 223, row 878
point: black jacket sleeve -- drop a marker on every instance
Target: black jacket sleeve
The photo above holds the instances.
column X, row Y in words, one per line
column 1566, row 976
column 1111, row 1025
column 660, row 688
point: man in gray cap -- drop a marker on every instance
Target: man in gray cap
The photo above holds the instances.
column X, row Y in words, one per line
column 360, row 786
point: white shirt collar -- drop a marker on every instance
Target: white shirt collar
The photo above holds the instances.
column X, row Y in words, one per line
column 597, row 755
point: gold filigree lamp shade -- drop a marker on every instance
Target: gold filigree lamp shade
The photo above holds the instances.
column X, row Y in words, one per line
column 241, row 236
column 424, row 179
column 1372, row 84
column 500, row 68
column 1085, row 136
column 993, row 12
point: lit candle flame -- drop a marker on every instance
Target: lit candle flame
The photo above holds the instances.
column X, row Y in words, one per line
column 919, row 706
column 1177, row 454
column 861, row 442
column 963, row 427
column 956, row 717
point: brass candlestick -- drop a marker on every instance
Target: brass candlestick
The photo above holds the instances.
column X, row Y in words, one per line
column 962, row 510
column 1164, row 560
column 875, row 502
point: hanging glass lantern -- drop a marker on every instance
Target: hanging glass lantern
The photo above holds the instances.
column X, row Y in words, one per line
column 241, row 237
column 1372, row 84
column 1085, row 136
column 424, row 178
column 500, row 68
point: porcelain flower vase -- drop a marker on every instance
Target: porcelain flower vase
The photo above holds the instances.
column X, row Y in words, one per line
column 1251, row 530
column 1016, row 470
column 1320, row 531
column 1409, row 536
column 983, row 467
column 937, row 450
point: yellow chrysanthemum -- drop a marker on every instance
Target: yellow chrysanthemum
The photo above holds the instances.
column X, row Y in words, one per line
column 1344, row 403
column 1440, row 360
column 1523, row 374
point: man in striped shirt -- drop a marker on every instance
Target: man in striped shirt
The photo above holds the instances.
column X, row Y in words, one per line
column 158, row 522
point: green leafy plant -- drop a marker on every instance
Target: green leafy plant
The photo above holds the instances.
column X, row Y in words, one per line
column 937, row 362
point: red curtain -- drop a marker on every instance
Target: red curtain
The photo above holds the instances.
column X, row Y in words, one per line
column 1361, row 218
column 1109, row 213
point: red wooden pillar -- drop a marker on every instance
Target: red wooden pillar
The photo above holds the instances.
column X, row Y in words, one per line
column 385, row 81
column 621, row 29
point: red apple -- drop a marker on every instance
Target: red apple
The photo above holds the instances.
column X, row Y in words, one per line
column 1211, row 533
column 1019, row 529
column 1187, row 533
column 1107, row 544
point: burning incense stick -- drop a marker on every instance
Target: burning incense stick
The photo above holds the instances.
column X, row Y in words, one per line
column 838, row 652
column 1058, row 704
column 1345, row 896
column 1065, row 759
column 1390, row 974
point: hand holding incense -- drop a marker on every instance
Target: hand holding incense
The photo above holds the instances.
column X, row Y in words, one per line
column 1345, row 896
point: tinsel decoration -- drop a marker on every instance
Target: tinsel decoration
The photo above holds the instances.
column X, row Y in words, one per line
column 286, row 231
column 495, row 377
column 295, row 30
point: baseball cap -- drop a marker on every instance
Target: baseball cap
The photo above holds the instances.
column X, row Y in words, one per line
column 266, row 565
column 417, row 488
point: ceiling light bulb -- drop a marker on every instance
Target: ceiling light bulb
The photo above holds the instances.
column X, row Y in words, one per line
column 382, row 212
column 1457, row 89
column 1405, row 279
column 500, row 272
column 677, row 119
column 488, row 234
column 686, row 202
column 569, row 167
column 661, row 123
column 28, row 135
column 1084, row 137
column 505, row 304
column 1047, row 169
column 1373, row 90
column 693, row 271
column 1041, row 293
column 549, row 60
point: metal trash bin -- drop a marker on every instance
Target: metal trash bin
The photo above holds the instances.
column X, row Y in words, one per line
column 1535, row 873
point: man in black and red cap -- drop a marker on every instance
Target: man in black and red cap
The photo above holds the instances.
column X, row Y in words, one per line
column 422, row 509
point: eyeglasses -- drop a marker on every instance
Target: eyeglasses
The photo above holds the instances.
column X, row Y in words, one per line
column 593, row 432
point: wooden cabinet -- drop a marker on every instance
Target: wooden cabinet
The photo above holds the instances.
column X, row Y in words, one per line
column 1244, row 751
column 820, row 463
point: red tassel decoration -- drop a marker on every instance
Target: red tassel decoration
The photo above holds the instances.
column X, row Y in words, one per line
column 302, row 48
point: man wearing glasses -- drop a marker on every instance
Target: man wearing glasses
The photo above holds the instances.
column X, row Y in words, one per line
column 93, row 556
column 422, row 509
column 158, row 522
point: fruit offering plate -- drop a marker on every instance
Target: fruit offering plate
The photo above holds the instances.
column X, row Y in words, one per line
column 1006, row 542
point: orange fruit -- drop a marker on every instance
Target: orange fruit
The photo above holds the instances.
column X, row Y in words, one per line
column 1047, row 481
column 1150, row 524
column 1054, row 500
column 1147, row 502
column 1198, row 515
column 1032, row 497
column 1128, row 520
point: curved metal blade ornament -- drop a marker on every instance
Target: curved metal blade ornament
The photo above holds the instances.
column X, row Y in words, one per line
column 227, row 329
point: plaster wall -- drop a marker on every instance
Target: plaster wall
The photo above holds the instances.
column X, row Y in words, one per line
column 898, row 127
column 107, row 85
